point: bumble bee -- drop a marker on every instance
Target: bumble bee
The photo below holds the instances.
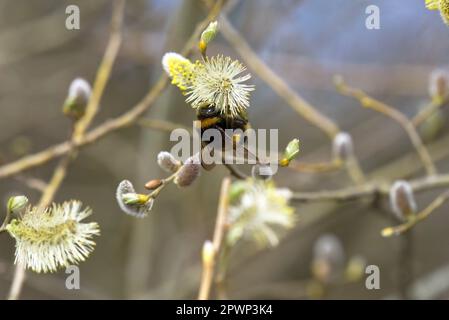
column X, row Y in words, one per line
column 210, row 117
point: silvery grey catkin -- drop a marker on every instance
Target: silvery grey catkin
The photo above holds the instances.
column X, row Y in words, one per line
column 188, row 172
column 167, row 162
column 342, row 146
column 136, row 210
column 402, row 200
column 77, row 99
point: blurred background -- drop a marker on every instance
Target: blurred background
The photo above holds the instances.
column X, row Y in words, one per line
column 305, row 42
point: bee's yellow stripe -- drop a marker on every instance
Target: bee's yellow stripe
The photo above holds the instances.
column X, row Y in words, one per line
column 206, row 123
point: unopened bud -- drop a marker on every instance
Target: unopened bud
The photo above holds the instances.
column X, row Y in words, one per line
column 188, row 173
column 439, row 85
column 208, row 253
column 153, row 184
column 291, row 151
column 342, row 147
column 167, row 162
column 207, row 36
column 17, row 203
column 402, row 200
column 132, row 203
column 77, row 99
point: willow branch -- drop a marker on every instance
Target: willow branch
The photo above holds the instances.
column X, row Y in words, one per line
column 343, row 194
column 371, row 103
column 370, row 190
column 354, row 170
column 161, row 125
column 427, row 111
column 219, row 232
column 32, row 183
column 312, row 167
column 126, row 119
column 294, row 100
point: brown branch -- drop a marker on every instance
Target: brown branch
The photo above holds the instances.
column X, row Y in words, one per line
column 32, row 183
column 354, row 170
column 369, row 102
column 344, row 194
column 369, row 190
column 161, row 125
column 318, row 167
column 219, row 232
column 109, row 126
column 294, row 100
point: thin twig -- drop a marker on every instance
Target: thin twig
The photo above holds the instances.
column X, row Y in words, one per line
column 294, row 100
column 428, row 111
column 219, row 233
column 318, row 167
column 369, row 102
column 369, row 190
column 161, row 125
column 352, row 167
column 344, row 194
column 32, row 183
column 354, row 170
